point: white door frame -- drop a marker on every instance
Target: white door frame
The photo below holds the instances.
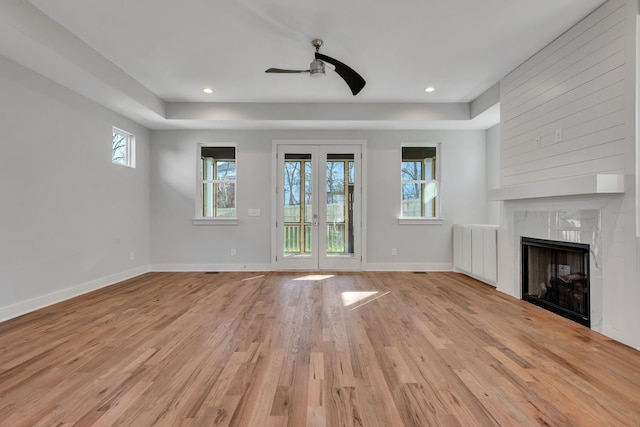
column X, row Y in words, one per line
column 274, row 196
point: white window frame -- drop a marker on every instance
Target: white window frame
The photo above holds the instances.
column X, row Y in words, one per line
column 199, row 219
column 437, row 219
column 130, row 147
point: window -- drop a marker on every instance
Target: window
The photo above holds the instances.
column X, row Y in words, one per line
column 420, row 182
column 122, row 148
column 217, row 182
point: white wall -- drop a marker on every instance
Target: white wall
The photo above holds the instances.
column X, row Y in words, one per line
column 493, row 171
column 69, row 218
column 178, row 245
column 462, row 190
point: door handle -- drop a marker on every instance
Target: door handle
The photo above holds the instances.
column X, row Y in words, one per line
column 315, row 220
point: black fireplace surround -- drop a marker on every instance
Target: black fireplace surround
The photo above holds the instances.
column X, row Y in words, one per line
column 555, row 276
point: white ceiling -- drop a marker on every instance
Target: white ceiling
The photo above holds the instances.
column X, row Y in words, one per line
column 145, row 58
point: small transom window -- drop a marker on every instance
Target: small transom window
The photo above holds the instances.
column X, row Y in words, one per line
column 122, row 148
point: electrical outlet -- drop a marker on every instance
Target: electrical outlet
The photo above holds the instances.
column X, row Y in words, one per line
column 558, row 135
column 394, row 251
column 132, row 256
column 538, row 142
column 233, row 252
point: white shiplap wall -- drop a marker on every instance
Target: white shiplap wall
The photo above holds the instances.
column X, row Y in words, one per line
column 574, row 86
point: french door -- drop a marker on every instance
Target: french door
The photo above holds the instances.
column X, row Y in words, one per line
column 318, row 194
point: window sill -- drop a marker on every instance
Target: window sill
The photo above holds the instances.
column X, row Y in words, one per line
column 215, row 221
column 420, row 221
column 126, row 165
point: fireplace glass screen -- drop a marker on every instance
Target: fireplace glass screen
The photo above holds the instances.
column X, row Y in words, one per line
column 555, row 276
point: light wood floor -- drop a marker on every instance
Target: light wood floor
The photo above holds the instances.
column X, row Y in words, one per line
column 290, row 349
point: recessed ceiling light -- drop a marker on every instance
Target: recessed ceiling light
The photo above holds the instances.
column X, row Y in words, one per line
column 430, row 89
column 207, row 90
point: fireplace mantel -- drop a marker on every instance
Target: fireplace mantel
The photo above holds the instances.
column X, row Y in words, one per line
column 574, row 186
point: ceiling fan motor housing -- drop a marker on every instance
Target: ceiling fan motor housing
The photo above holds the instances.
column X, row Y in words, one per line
column 316, row 68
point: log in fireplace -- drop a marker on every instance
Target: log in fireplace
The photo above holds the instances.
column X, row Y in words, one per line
column 555, row 276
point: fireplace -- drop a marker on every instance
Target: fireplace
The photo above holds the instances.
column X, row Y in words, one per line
column 555, row 276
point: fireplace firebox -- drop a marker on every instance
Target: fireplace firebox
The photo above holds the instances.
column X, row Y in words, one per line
column 555, row 276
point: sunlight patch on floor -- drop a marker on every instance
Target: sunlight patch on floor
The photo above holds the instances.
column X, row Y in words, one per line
column 315, row 277
column 350, row 298
column 253, row 278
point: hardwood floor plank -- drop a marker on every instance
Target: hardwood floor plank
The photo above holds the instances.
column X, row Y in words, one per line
column 315, row 394
column 343, row 408
column 293, row 349
column 378, row 407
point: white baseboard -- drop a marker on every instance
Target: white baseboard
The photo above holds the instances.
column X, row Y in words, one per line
column 408, row 267
column 24, row 307
column 268, row 267
column 209, row 267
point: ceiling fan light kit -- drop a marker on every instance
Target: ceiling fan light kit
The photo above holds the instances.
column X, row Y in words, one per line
column 317, row 69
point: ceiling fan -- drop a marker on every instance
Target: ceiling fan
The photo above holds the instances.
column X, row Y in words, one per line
column 316, row 69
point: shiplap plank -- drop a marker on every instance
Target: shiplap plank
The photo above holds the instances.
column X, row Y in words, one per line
column 575, row 86
column 576, row 118
column 549, row 54
column 571, row 142
column 596, row 126
column 577, row 78
column 601, row 88
column 600, row 151
column 572, row 64
column 613, row 164
column 606, row 36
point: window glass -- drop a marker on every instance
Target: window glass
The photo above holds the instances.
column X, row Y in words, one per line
column 217, row 182
column 122, row 148
column 419, row 182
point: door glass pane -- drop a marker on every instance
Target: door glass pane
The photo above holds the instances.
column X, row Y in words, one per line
column 297, row 187
column 291, row 191
column 339, row 193
column 308, row 191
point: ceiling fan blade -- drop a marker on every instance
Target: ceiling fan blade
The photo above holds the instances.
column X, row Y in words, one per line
column 282, row 71
column 353, row 79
